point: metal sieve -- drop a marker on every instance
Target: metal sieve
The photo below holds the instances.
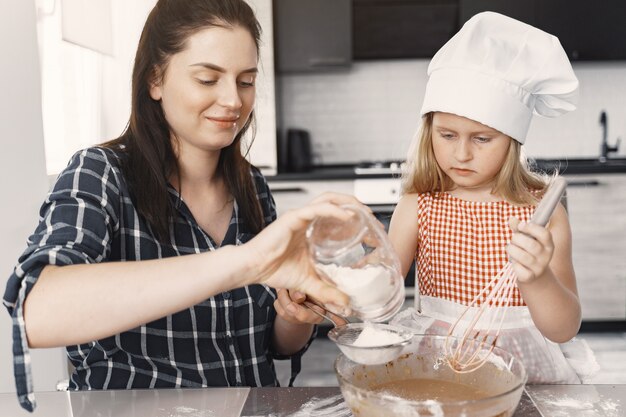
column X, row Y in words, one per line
column 345, row 336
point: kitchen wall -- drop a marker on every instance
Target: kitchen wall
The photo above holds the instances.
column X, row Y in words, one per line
column 370, row 112
column 22, row 172
column 87, row 93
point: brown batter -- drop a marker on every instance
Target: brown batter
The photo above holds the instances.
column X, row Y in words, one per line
column 422, row 389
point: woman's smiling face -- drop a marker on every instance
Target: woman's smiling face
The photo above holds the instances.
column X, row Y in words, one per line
column 208, row 90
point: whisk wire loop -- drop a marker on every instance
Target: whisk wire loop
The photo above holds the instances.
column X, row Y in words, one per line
column 479, row 338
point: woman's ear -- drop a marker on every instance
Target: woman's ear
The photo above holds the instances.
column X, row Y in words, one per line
column 156, row 83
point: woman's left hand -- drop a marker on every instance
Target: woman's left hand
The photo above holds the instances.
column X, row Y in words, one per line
column 531, row 250
column 289, row 306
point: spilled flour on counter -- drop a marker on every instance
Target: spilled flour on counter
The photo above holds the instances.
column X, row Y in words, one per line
column 182, row 411
column 328, row 407
column 556, row 405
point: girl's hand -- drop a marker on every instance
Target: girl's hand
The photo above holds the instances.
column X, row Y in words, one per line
column 531, row 250
column 279, row 255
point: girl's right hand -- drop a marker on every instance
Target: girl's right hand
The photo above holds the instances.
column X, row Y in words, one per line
column 279, row 254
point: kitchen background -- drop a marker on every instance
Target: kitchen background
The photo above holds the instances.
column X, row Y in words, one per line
column 66, row 82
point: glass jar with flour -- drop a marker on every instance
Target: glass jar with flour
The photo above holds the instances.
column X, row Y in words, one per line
column 356, row 255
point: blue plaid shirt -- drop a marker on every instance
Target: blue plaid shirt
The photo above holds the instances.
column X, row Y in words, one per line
column 89, row 217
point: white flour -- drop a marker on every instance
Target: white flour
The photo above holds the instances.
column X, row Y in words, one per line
column 372, row 336
column 182, row 411
column 328, row 407
column 367, row 287
column 556, row 405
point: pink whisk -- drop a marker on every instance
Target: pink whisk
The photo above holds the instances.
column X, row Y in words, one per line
column 473, row 348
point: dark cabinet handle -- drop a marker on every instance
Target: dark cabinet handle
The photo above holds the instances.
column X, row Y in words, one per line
column 288, row 190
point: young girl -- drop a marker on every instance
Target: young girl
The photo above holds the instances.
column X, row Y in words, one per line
column 468, row 194
column 154, row 258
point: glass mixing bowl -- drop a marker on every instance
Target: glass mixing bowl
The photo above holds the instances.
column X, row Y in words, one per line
column 502, row 378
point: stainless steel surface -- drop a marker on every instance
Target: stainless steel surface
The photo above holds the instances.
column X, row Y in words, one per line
column 300, row 402
column 551, row 400
column 222, row 402
column 346, row 338
column 579, row 400
column 323, row 402
column 548, row 203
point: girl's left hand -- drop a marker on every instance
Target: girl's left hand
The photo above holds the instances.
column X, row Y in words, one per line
column 531, row 250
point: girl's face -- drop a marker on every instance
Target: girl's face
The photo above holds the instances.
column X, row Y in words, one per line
column 207, row 92
column 470, row 153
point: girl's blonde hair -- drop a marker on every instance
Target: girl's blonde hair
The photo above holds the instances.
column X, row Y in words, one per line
column 515, row 182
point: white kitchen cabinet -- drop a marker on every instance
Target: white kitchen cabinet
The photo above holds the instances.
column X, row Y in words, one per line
column 597, row 211
column 293, row 194
column 263, row 150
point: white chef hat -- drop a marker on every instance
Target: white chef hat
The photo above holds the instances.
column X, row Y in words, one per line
column 499, row 71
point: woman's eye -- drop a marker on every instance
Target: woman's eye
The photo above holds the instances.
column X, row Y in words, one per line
column 247, row 83
column 206, row 82
column 481, row 139
column 447, row 135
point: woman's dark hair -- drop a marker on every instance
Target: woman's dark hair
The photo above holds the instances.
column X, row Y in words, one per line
column 149, row 156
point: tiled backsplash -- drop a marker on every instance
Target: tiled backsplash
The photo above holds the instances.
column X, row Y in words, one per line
column 370, row 112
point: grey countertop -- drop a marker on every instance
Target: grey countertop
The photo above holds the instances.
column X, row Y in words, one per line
column 537, row 401
column 570, row 166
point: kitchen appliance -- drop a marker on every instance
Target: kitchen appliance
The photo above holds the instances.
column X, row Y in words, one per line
column 299, row 155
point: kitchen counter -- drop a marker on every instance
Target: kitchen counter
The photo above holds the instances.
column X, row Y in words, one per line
column 537, row 401
column 571, row 166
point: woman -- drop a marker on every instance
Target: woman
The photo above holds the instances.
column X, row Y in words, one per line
column 175, row 183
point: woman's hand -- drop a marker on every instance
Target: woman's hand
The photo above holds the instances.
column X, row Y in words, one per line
column 289, row 306
column 531, row 250
column 279, row 255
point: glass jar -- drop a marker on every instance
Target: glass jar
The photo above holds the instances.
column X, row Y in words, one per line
column 358, row 258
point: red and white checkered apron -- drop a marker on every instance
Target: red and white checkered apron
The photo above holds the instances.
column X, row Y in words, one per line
column 462, row 246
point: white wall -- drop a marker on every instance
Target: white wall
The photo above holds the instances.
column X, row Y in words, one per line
column 22, row 171
column 87, row 94
column 263, row 151
column 371, row 111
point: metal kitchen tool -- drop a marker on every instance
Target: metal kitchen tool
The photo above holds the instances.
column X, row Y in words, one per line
column 309, row 304
column 345, row 334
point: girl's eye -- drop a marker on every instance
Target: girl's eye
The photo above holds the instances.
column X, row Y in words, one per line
column 206, row 82
column 447, row 135
column 481, row 139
